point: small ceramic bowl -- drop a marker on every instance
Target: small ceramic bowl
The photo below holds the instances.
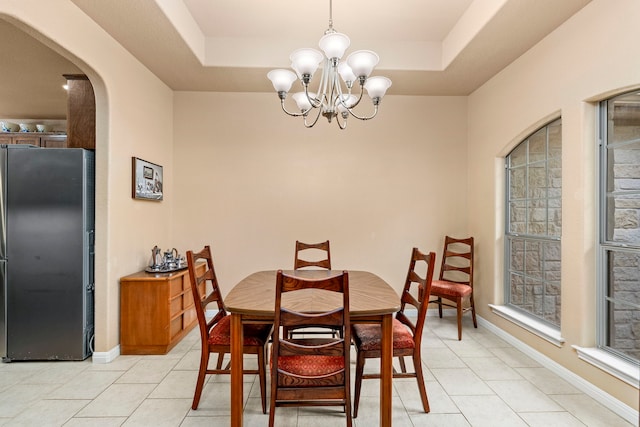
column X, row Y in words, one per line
column 42, row 128
column 9, row 127
column 27, row 127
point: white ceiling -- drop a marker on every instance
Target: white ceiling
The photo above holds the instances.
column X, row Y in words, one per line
column 427, row 47
column 422, row 19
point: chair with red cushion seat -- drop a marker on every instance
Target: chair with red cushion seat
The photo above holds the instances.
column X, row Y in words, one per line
column 407, row 336
column 311, row 371
column 215, row 334
column 456, row 279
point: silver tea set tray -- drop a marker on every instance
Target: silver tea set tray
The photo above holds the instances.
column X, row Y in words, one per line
column 165, row 263
column 164, row 268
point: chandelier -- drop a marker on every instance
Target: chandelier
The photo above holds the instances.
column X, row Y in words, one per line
column 330, row 100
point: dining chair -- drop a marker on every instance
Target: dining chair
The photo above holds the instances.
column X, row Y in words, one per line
column 455, row 284
column 215, row 334
column 407, row 335
column 311, row 371
column 323, row 262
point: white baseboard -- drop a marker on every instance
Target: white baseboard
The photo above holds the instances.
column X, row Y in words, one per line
column 106, row 356
column 620, row 408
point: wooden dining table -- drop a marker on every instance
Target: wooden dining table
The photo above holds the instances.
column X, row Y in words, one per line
column 371, row 300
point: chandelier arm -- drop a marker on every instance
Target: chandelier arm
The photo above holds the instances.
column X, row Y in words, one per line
column 332, row 85
column 359, row 98
column 342, row 125
column 324, row 81
column 336, row 88
column 341, row 99
column 315, row 102
column 375, row 111
column 289, row 113
column 314, row 121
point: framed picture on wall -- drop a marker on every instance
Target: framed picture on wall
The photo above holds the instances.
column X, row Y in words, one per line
column 146, row 182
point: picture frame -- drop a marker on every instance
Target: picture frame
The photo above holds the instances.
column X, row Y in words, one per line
column 146, row 180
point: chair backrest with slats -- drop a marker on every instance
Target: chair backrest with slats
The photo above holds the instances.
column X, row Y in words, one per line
column 201, row 301
column 417, row 291
column 457, row 260
column 325, row 262
column 337, row 317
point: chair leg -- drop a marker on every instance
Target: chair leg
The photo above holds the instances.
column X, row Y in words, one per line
column 202, row 373
column 272, row 413
column 439, row 302
column 403, row 366
column 359, row 372
column 417, row 366
column 473, row 312
column 262, row 376
column 459, row 313
column 219, row 362
column 347, row 403
column 272, row 399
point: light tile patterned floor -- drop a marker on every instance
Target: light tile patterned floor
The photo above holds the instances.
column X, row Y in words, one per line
column 479, row 381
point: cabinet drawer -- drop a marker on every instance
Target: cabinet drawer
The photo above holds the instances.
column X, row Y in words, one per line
column 187, row 300
column 175, row 306
column 176, row 326
column 26, row 139
column 179, row 284
column 54, row 141
column 190, row 316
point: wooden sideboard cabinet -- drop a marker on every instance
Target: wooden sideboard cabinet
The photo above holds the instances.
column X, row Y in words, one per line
column 156, row 311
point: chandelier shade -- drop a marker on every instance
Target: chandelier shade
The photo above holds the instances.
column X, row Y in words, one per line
column 346, row 73
column 306, row 61
column 376, row 87
column 282, row 79
column 362, row 62
column 348, row 101
column 332, row 100
column 334, row 45
column 302, row 100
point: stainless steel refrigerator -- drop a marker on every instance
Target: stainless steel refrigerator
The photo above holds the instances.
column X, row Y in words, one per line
column 46, row 253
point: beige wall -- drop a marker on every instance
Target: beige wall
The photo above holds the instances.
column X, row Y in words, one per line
column 250, row 180
column 241, row 176
column 591, row 55
column 134, row 118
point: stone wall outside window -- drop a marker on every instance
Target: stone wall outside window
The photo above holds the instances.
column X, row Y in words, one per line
column 534, row 226
column 623, row 226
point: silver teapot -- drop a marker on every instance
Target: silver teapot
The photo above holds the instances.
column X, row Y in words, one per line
column 171, row 258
